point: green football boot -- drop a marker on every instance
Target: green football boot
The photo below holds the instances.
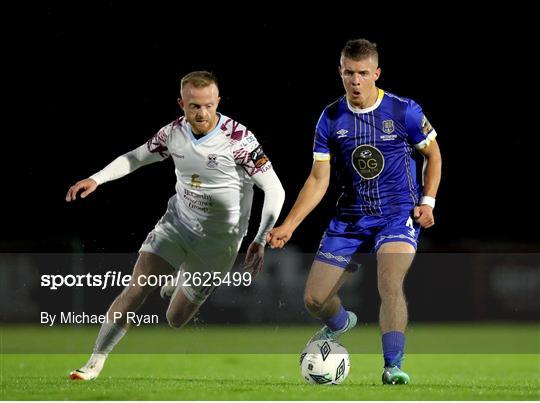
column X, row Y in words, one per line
column 328, row 334
column 394, row 376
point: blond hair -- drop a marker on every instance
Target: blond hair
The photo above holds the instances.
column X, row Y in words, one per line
column 198, row 79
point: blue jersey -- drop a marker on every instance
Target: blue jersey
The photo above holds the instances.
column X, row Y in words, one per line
column 373, row 153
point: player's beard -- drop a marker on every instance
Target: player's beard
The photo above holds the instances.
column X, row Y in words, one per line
column 205, row 126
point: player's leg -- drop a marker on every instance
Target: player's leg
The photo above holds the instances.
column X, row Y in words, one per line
column 185, row 303
column 322, row 301
column 129, row 300
column 328, row 273
column 201, row 273
column 320, row 294
column 393, row 261
column 134, row 295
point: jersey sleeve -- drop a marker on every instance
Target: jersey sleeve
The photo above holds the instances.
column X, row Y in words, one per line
column 321, row 146
column 274, row 196
column 248, row 153
column 419, row 131
column 154, row 150
column 158, row 143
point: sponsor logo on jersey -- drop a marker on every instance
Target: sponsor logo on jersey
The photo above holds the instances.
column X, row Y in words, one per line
column 342, row 133
column 177, row 155
column 195, row 181
column 368, row 161
column 365, row 154
column 388, row 137
column 388, row 126
column 212, row 161
column 247, row 141
column 258, row 157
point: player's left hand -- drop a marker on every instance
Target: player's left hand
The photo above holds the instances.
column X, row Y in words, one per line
column 423, row 215
column 254, row 258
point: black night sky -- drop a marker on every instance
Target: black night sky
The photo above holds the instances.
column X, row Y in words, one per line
column 92, row 83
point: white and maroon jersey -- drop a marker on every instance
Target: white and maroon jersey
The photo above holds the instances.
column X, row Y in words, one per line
column 214, row 189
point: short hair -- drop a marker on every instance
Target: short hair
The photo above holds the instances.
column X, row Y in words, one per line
column 360, row 49
column 198, row 79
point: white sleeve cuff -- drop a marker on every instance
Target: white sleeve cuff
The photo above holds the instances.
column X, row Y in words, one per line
column 321, row 156
column 430, row 137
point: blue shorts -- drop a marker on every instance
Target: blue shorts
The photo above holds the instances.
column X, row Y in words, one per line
column 350, row 235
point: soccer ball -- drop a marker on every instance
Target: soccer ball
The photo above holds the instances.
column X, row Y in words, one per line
column 325, row 362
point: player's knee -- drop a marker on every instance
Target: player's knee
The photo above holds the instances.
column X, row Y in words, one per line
column 135, row 294
column 390, row 288
column 175, row 324
column 175, row 320
column 313, row 303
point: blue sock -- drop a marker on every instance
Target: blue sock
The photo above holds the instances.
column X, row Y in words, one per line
column 338, row 321
column 393, row 345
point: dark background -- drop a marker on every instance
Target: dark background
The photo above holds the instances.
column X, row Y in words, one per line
column 84, row 84
column 93, row 83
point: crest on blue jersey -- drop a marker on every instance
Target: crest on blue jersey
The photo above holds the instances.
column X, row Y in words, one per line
column 388, row 126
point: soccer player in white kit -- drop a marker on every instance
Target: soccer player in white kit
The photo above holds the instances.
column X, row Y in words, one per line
column 217, row 161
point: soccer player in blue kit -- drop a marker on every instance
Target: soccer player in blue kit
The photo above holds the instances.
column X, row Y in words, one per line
column 372, row 140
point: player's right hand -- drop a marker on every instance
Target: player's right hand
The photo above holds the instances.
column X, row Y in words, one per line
column 423, row 215
column 279, row 236
column 88, row 185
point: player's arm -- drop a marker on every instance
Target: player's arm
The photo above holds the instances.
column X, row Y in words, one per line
column 121, row 166
column 423, row 213
column 309, row 197
column 422, row 135
column 274, row 196
column 248, row 153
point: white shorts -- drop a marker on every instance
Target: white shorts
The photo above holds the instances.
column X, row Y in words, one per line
column 204, row 253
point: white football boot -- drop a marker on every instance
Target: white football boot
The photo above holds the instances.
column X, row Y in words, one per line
column 91, row 370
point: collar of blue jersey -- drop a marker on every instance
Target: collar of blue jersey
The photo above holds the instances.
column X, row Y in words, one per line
column 369, row 109
column 208, row 135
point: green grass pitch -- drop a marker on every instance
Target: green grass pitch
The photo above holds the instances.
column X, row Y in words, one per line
column 27, row 374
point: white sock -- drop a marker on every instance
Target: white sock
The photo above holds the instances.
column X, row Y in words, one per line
column 109, row 335
column 97, row 361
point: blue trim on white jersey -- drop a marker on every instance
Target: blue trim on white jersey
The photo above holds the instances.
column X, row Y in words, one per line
column 209, row 135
